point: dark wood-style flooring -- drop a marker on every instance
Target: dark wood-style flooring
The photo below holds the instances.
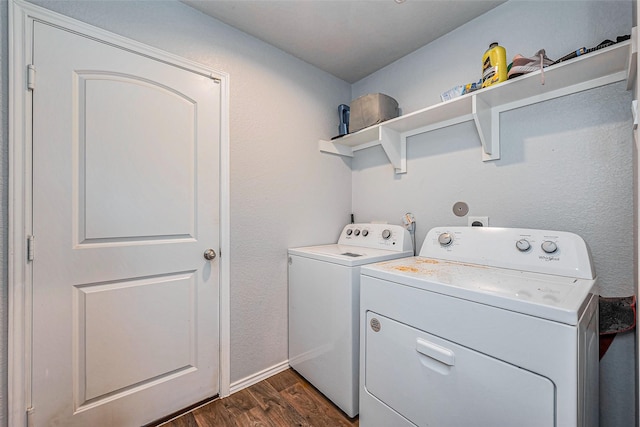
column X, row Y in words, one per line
column 283, row 400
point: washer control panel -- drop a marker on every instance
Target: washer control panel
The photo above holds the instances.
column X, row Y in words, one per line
column 541, row 251
column 381, row 236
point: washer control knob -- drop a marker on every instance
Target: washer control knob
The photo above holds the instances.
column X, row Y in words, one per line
column 349, row 232
column 365, row 233
column 356, row 232
column 445, row 239
column 549, row 247
column 523, row 245
column 386, row 234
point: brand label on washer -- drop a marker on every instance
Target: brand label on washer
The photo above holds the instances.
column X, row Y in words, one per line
column 375, row 325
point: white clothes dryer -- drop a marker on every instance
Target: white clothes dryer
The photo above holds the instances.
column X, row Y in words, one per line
column 324, row 291
column 486, row 327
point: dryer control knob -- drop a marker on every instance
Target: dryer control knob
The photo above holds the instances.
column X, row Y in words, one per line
column 365, row 233
column 356, row 232
column 386, row 234
column 549, row 247
column 349, row 232
column 445, row 239
column 523, row 245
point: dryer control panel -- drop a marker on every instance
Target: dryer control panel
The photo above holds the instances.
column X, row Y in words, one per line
column 376, row 236
column 541, row 251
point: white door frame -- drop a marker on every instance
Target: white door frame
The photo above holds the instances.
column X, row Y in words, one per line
column 635, row 42
column 21, row 18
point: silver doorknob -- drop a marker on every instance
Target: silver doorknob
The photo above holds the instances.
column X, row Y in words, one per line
column 209, row 254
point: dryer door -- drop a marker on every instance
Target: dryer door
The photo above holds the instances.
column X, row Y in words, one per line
column 434, row 382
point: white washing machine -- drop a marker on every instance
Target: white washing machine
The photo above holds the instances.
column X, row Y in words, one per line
column 324, row 290
column 487, row 327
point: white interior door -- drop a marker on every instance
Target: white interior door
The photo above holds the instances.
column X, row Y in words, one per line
column 125, row 203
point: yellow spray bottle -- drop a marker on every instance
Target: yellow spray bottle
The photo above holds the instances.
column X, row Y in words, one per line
column 494, row 65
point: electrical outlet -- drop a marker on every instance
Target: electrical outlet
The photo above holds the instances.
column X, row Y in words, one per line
column 478, row 221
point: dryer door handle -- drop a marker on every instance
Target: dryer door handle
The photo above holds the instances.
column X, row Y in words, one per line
column 434, row 351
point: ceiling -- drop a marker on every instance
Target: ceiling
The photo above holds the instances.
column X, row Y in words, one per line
column 347, row 38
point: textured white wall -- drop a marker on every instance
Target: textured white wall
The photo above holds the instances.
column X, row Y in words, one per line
column 284, row 192
column 565, row 164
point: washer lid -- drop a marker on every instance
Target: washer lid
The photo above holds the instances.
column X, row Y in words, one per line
column 347, row 255
column 556, row 298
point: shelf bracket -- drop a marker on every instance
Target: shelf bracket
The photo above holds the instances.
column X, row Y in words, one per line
column 395, row 147
column 632, row 66
column 333, row 148
column 487, row 121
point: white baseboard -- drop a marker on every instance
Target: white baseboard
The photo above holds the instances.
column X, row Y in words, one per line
column 258, row 376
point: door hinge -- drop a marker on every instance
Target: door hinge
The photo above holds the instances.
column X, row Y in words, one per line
column 30, row 248
column 31, row 77
column 30, row 416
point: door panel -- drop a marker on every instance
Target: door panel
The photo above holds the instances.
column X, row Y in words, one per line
column 168, row 344
column 126, row 179
column 121, row 118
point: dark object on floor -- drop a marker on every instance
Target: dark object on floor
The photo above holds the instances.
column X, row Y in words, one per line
column 617, row 315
